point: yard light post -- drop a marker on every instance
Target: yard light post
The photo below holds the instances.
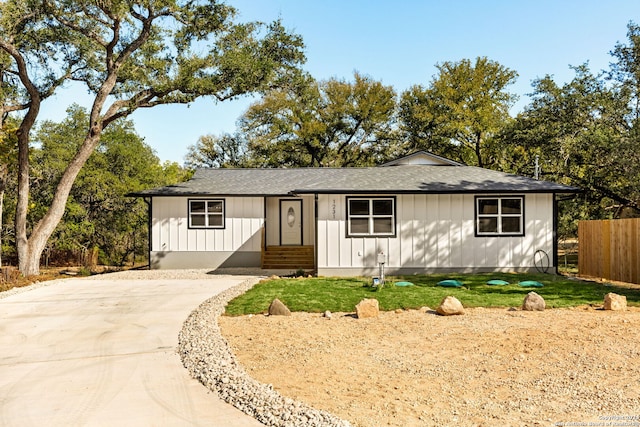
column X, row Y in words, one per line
column 382, row 259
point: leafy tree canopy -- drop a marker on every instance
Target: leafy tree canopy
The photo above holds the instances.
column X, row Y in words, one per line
column 586, row 134
column 98, row 213
column 310, row 124
column 130, row 55
column 464, row 106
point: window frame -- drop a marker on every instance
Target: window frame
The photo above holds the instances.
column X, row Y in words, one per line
column 370, row 217
column 206, row 214
column 499, row 216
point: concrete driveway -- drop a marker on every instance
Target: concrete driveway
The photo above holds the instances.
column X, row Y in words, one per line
column 101, row 352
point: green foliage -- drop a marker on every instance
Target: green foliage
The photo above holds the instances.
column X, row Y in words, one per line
column 98, row 212
column 307, row 123
column 142, row 54
column 162, row 52
column 8, row 161
column 217, row 152
column 461, row 110
column 318, row 124
column 316, row 295
column 129, row 55
column 586, row 134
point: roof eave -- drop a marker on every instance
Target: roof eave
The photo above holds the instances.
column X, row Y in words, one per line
column 461, row 191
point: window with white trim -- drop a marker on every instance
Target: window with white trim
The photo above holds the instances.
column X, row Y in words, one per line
column 500, row 216
column 206, row 213
column 371, row 216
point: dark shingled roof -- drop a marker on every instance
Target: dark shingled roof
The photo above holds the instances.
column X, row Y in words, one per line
column 389, row 180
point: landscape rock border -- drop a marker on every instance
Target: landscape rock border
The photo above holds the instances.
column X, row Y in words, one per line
column 209, row 359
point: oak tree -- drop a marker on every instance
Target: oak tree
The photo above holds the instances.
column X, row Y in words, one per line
column 129, row 55
column 322, row 123
column 463, row 108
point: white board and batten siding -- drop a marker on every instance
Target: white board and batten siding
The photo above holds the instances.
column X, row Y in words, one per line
column 175, row 245
column 433, row 233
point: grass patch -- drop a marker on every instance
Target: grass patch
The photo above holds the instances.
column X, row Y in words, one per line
column 317, row 294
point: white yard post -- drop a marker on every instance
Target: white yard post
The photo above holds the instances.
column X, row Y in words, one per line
column 382, row 259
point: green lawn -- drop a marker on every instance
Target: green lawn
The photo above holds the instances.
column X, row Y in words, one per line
column 315, row 295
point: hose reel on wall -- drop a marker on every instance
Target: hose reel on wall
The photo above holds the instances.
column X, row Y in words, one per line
column 541, row 261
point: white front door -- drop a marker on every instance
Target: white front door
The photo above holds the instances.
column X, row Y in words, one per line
column 290, row 222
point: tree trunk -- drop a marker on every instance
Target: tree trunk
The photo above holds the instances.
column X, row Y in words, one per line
column 4, row 175
column 478, row 143
column 30, row 250
column 3, row 184
column 22, row 205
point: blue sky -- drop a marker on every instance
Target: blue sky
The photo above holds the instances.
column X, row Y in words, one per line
column 399, row 43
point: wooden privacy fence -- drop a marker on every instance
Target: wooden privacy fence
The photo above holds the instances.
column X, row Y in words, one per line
column 610, row 249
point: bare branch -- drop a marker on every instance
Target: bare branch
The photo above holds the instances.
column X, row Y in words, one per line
column 22, row 73
column 16, row 107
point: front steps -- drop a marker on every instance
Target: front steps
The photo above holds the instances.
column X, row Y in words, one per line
column 288, row 257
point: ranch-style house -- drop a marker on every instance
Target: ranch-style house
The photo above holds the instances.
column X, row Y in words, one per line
column 419, row 214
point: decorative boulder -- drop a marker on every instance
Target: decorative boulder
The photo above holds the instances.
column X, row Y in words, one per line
column 367, row 308
column 533, row 302
column 450, row 306
column 277, row 308
column 615, row 302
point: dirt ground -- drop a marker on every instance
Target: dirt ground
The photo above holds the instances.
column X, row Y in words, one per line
column 488, row 367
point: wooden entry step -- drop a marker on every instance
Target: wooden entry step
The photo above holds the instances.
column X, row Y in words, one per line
column 288, row 257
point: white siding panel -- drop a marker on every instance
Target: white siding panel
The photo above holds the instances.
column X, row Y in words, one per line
column 443, row 229
column 492, row 253
column 352, row 251
column 329, row 239
column 420, row 223
column 455, row 231
column 370, row 253
column 164, row 226
column 531, row 230
column 323, row 232
column 170, row 231
column 322, row 243
column 157, row 211
column 345, row 248
column 479, row 251
column 504, row 250
column 543, row 230
column 402, row 248
column 468, row 243
column 432, row 232
column 333, row 242
column 518, row 255
column 256, row 231
column 174, row 234
column 321, row 248
column 229, row 226
column 355, row 253
column 199, row 240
